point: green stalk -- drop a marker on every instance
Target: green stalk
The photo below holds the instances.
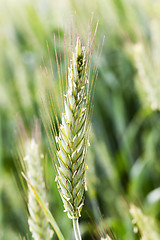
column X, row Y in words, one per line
column 76, row 229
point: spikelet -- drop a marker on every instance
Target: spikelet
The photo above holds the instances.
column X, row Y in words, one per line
column 31, row 161
column 72, row 139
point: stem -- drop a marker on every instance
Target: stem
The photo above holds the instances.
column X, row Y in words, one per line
column 76, row 229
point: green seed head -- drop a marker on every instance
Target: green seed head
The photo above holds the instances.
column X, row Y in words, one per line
column 72, row 136
column 38, row 223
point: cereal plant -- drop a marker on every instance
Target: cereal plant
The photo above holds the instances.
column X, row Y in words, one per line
column 90, row 170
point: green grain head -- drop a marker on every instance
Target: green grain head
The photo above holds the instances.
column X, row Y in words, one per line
column 38, row 223
column 31, row 157
column 72, row 139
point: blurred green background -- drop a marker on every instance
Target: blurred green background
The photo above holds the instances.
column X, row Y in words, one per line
column 124, row 156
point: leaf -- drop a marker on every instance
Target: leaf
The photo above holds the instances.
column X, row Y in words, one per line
column 46, row 211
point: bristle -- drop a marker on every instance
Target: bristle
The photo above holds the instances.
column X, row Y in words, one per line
column 61, row 70
column 59, row 73
column 65, row 62
column 50, row 82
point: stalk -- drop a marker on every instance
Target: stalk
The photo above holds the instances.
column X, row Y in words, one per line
column 73, row 138
column 76, row 229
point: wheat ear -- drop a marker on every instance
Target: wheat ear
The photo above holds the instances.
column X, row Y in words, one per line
column 72, row 139
column 38, row 223
column 146, row 225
